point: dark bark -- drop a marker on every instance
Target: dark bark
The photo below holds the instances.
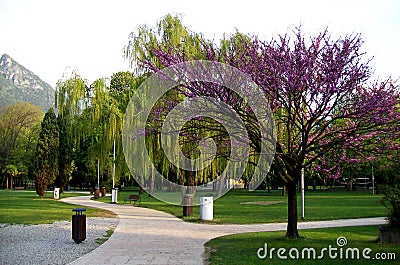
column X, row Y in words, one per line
column 151, row 191
column 221, row 183
column 291, row 230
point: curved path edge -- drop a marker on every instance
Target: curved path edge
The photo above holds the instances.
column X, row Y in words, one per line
column 147, row 236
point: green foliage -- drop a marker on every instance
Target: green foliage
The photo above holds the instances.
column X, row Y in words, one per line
column 46, row 156
column 391, row 200
column 105, row 120
column 122, row 87
column 11, row 170
column 83, row 171
column 71, row 100
column 90, row 120
column 65, row 151
column 103, row 239
column 19, row 130
column 169, row 34
column 70, row 95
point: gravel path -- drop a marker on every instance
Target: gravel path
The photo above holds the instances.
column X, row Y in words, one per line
column 49, row 243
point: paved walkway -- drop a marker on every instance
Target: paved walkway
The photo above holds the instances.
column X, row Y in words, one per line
column 146, row 236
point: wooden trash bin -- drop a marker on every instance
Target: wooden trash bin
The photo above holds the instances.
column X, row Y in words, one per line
column 78, row 225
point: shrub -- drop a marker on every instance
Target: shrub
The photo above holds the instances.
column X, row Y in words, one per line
column 391, row 200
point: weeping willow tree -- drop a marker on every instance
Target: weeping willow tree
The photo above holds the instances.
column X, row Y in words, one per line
column 146, row 50
column 71, row 95
column 143, row 44
column 189, row 143
column 70, row 101
column 106, row 117
column 169, row 34
column 190, row 139
column 93, row 116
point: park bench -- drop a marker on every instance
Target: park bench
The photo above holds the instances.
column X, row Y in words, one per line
column 133, row 198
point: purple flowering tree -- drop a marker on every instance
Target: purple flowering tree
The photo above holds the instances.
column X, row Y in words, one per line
column 319, row 90
column 324, row 103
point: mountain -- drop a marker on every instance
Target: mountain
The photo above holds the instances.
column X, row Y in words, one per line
column 19, row 84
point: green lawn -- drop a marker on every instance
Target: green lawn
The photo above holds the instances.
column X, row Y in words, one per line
column 233, row 208
column 25, row 207
column 243, row 248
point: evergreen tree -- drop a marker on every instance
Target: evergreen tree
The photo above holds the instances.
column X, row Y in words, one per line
column 46, row 157
column 65, row 152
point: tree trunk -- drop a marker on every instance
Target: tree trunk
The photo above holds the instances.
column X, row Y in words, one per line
column 291, row 230
column 221, row 183
column 40, row 190
column 151, row 188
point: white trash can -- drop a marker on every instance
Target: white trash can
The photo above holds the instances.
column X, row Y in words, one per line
column 206, row 208
column 56, row 193
column 114, row 195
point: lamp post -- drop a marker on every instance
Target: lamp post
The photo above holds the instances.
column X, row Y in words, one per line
column 98, row 172
column 373, row 180
column 113, row 168
column 114, row 193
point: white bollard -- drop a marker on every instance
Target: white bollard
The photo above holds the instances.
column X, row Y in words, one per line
column 114, row 195
column 206, row 208
column 56, row 193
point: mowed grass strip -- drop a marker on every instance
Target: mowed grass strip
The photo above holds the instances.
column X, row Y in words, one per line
column 242, row 248
column 245, row 207
column 25, row 207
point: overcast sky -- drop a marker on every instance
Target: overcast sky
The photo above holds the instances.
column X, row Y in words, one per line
column 51, row 37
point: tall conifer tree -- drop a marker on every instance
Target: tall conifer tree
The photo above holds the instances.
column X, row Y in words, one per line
column 46, row 156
